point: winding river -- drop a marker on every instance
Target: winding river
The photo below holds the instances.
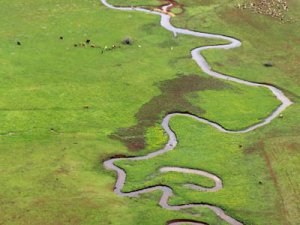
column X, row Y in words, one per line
column 167, row 192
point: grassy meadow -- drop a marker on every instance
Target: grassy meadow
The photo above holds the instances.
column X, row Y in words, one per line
column 64, row 108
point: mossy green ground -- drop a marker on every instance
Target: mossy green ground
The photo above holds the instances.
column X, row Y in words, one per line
column 59, row 104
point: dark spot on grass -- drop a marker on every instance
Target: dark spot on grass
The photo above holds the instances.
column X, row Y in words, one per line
column 218, row 64
column 184, row 221
column 127, row 41
column 52, row 129
column 268, row 64
column 171, row 99
column 118, row 156
column 254, row 147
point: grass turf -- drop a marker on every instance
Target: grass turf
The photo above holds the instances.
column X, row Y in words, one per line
column 59, row 104
column 278, row 146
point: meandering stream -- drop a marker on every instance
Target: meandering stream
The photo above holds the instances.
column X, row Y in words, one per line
column 167, row 192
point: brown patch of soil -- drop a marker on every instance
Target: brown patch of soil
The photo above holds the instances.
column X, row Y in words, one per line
column 237, row 16
column 117, row 156
column 174, row 5
column 253, row 148
column 62, row 170
column 171, row 99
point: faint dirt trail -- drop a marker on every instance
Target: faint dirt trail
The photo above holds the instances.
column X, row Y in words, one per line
column 167, row 192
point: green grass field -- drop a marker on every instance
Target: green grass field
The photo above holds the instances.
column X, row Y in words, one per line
column 66, row 109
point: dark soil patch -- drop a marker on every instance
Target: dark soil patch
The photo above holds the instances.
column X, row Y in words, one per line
column 171, row 99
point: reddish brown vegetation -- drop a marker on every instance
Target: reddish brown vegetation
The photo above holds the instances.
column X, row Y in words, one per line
column 171, row 99
column 173, row 3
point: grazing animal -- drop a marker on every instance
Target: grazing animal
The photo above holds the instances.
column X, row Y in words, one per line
column 88, row 41
column 127, row 41
column 61, row 37
column 268, row 64
column 18, row 43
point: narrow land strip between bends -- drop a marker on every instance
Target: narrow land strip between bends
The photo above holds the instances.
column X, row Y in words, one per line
column 218, row 182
